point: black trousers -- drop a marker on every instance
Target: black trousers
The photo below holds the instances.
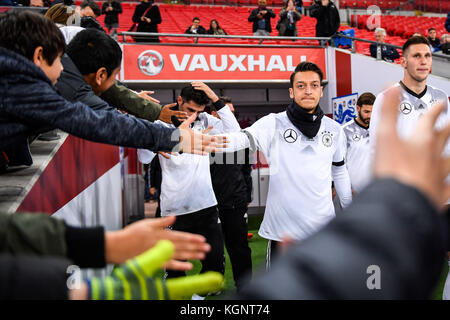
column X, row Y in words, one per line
column 234, row 228
column 272, row 252
column 205, row 223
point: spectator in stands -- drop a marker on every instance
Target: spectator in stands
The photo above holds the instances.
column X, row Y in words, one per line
column 214, row 28
column 434, row 41
column 287, row 25
column 89, row 9
column 111, row 9
column 261, row 19
column 147, row 16
column 388, row 53
column 328, row 20
column 299, row 5
column 195, row 28
column 30, row 63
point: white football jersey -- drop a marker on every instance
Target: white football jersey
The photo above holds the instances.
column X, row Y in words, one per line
column 411, row 108
column 186, row 180
column 357, row 154
column 299, row 198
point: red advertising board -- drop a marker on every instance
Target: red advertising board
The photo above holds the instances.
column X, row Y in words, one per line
column 147, row 63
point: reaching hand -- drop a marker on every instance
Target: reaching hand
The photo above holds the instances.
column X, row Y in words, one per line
column 134, row 280
column 167, row 113
column 146, row 95
column 199, row 143
column 142, row 235
column 418, row 160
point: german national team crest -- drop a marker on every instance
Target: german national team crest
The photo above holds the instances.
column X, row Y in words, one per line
column 327, row 139
column 356, row 136
column 290, row 135
column 405, row 107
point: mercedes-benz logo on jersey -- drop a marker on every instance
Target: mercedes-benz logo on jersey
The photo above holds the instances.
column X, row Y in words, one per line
column 290, row 135
column 150, row 62
column 327, row 139
column 356, row 137
column 405, row 107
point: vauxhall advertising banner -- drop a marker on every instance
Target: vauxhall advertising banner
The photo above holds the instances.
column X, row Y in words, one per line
column 146, row 63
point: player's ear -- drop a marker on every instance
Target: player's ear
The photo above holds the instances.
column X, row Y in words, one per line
column 403, row 62
column 291, row 93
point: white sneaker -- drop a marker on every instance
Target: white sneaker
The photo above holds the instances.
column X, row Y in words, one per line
column 197, row 297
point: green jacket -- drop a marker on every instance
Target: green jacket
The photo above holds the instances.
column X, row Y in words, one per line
column 43, row 235
column 124, row 98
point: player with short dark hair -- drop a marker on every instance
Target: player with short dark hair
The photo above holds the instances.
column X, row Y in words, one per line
column 186, row 188
column 305, row 151
column 357, row 143
column 416, row 97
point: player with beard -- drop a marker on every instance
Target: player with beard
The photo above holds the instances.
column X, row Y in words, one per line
column 357, row 143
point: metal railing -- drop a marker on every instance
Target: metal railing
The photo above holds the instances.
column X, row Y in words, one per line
column 322, row 41
column 196, row 37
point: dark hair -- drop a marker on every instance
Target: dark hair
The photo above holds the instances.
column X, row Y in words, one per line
column 92, row 49
column 414, row 40
column 366, row 98
column 195, row 18
column 225, row 99
column 431, row 29
column 90, row 22
column 23, row 31
column 95, row 8
column 197, row 96
column 306, row 66
column 217, row 22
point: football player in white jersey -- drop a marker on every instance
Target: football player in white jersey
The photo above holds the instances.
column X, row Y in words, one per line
column 186, row 189
column 305, row 151
column 416, row 98
column 357, row 144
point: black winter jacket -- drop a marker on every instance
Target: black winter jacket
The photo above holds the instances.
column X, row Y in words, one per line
column 253, row 18
column 112, row 17
column 328, row 20
column 389, row 225
column 232, row 182
column 153, row 14
column 29, row 101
